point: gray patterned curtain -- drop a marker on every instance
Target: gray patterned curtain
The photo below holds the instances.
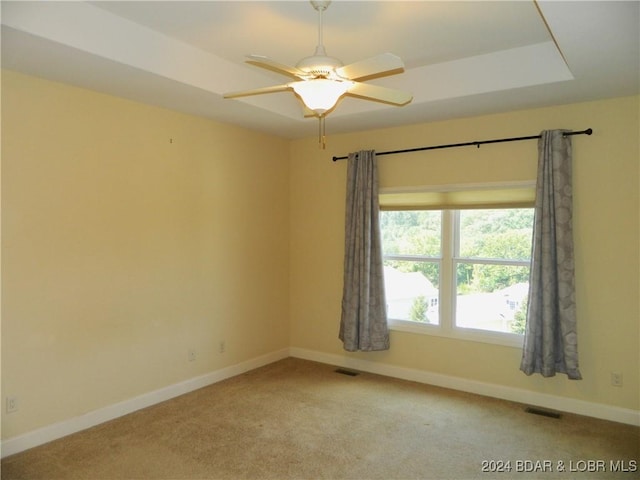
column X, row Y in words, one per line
column 550, row 342
column 363, row 325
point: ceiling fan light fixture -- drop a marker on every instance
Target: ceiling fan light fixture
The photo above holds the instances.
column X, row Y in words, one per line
column 323, row 80
column 321, row 94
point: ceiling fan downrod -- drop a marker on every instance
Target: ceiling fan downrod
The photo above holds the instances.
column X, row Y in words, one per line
column 320, row 7
column 320, row 65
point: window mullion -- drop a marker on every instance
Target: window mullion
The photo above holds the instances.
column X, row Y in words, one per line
column 492, row 261
column 411, row 258
column 447, row 277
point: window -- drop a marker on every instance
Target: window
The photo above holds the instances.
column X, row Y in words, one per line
column 461, row 273
column 412, row 250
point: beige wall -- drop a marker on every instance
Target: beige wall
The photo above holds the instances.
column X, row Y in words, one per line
column 606, row 236
column 130, row 235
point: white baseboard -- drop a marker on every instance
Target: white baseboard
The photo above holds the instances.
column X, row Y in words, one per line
column 66, row 427
column 61, row 429
column 528, row 397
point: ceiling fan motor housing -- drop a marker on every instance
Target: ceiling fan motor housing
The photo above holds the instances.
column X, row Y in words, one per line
column 320, row 66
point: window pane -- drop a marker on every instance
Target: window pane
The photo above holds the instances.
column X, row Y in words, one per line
column 411, row 290
column 503, row 233
column 411, row 232
column 491, row 297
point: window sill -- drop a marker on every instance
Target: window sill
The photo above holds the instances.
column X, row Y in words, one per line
column 496, row 338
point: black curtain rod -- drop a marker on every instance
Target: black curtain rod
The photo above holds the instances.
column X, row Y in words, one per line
column 588, row 131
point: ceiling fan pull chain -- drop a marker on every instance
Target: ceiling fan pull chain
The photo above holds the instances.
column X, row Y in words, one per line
column 322, row 138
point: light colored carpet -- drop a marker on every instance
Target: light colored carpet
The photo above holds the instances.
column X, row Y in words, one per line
column 297, row 419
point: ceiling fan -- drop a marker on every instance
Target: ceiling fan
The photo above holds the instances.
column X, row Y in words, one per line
column 322, row 80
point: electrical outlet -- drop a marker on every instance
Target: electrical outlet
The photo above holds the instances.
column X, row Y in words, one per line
column 616, row 379
column 192, row 355
column 222, row 347
column 12, row 404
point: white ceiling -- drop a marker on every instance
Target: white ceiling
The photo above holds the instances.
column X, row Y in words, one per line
column 461, row 58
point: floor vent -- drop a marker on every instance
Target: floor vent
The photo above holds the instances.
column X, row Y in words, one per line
column 344, row 371
column 542, row 412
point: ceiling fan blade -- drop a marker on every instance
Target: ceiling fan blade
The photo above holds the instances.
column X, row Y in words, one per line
column 379, row 94
column 378, row 66
column 269, row 64
column 258, row 91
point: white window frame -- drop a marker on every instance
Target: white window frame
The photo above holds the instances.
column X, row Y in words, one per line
column 449, row 250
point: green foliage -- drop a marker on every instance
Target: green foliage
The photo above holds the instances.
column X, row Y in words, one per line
column 489, row 278
column 520, row 319
column 418, row 311
column 429, row 270
column 484, row 234
column 411, row 232
column 500, row 234
column 496, row 233
column 464, row 276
